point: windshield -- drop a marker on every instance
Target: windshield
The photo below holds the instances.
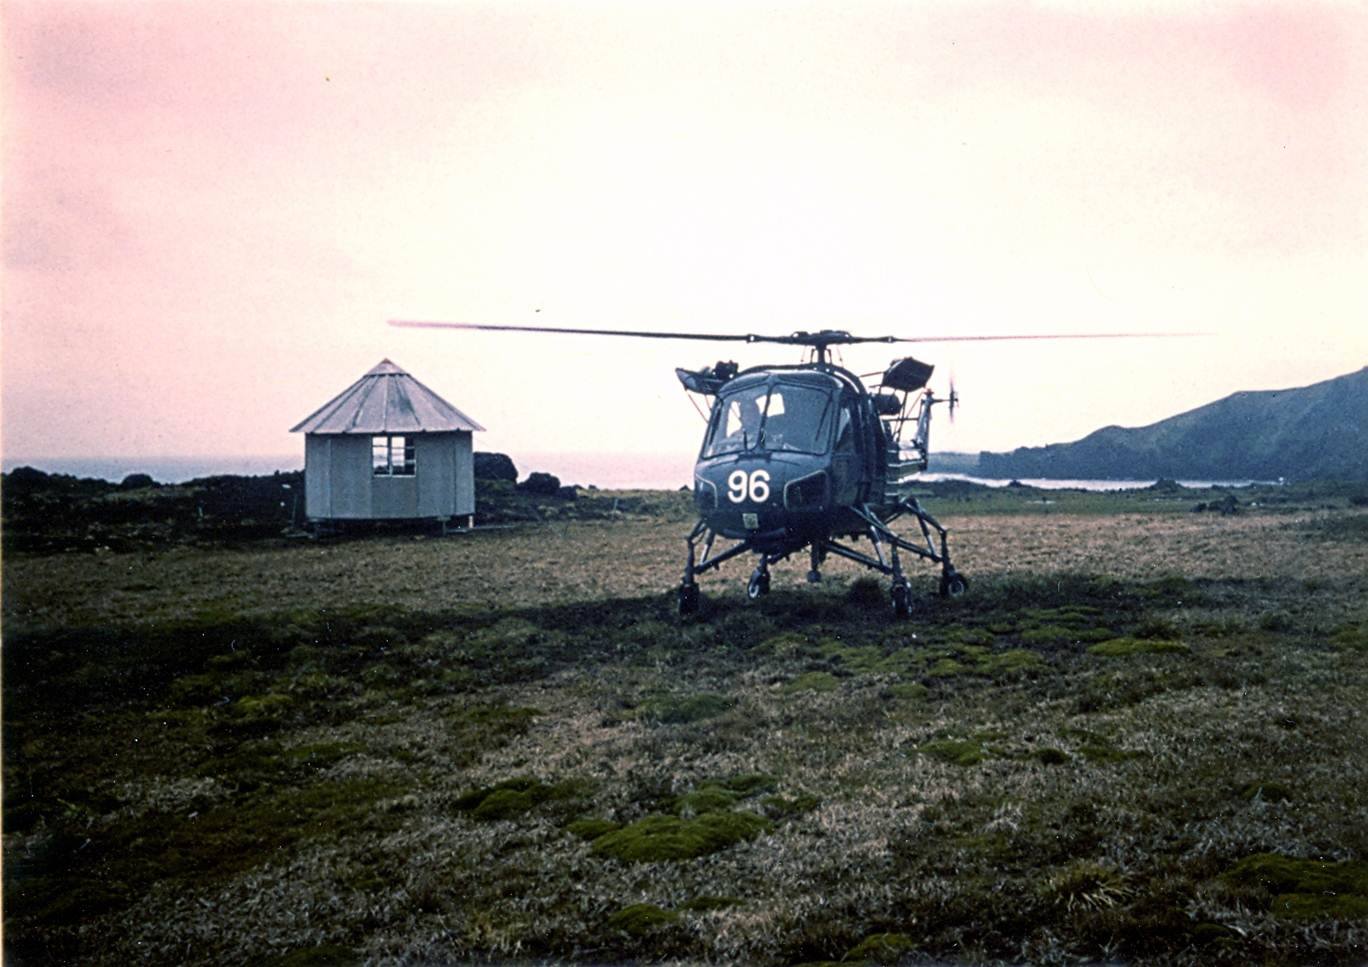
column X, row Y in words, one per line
column 780, row 417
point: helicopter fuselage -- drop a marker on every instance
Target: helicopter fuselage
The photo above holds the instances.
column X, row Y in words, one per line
column 789, row 454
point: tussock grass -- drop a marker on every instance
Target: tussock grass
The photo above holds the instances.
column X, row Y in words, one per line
column 240, row 767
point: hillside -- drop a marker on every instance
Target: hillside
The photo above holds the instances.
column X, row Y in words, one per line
column 1317, row 432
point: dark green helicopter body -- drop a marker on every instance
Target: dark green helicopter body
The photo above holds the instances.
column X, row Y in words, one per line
column 805, row 457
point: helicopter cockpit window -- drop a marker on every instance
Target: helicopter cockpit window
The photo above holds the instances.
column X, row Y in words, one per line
column 736, row 422
column 780, row 417
column 845, row 430
column 798, row 419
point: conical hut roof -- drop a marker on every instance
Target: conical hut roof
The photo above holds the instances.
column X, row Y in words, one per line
column 386, row 400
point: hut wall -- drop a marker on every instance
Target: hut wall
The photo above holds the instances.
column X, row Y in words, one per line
column 436, row 477
column 340, row 484
column 396, row 498
column 317, row 476
column 465, row 474
column 337, row 475
column 351, row 477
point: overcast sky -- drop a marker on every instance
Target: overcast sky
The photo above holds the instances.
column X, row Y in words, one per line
column 211, row 209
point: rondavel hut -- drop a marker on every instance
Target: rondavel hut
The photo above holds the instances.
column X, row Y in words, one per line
column 388, row 448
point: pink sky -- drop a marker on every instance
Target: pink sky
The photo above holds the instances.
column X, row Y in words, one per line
column 210, row 210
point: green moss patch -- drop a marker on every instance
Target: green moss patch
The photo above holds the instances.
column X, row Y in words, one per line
column 515, row 797
column 1276, row 874
column 959, row 752
column 716, row 795
column 1123, row 647
column 786, row 645
column 641, row 919
column 1051, row 633
column 1015, row 661
column 1068, row 613
column 683, row 709
column 970, row 636
column 882, row 948
column 946, row 668
column 1321, row 906
column 1069, row 624
column 748, row 783
column 271, row 707
column 659, row 838
column 1102, row 752
column 909, row 691
column 705, row 799
column 1301, row 889
column 813, row 682
column 1350, row 638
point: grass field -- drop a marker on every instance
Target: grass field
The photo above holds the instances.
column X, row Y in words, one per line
column 1140, row 737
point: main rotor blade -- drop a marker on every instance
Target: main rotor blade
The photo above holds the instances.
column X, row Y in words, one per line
column 1054, row 335
column 823, row 338
column 711, row 337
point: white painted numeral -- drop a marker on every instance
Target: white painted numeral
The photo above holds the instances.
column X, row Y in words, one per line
column 759, row 486
column 755, row 485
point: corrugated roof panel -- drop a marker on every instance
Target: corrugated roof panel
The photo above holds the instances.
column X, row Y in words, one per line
column 386, row 400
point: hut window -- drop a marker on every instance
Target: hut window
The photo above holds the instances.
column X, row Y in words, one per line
column 392, row 456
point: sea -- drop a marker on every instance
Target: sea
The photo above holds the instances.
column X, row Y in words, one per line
column 606, row 471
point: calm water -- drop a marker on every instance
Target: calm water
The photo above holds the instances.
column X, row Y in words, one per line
column 161, row 469
column 1051, row 484
column 605, row 470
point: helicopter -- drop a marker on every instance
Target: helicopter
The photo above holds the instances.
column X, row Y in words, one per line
column 807, row 457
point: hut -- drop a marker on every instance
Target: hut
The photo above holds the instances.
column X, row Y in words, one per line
column 388, row 448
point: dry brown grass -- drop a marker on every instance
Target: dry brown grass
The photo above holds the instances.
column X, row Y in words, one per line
column 575, row 561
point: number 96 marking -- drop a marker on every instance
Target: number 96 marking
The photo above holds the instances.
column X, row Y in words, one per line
column 755, row 485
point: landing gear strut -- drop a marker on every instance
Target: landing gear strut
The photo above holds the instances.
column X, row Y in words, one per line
column 953, row 584
column 759, row 583
column 688, row 599
column 876, row 527
column 902, row 598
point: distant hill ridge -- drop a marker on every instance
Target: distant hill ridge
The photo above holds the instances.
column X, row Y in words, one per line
column 1316, row 432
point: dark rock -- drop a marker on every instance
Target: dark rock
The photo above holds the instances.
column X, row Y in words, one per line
column 544, row 484
column 495, row 466
column 137, row 481
column 27, row 477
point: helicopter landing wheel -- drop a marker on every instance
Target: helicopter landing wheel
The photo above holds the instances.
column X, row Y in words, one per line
column 759, row 584
column 902, row 599
column 953, row 584
column 688, row 599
